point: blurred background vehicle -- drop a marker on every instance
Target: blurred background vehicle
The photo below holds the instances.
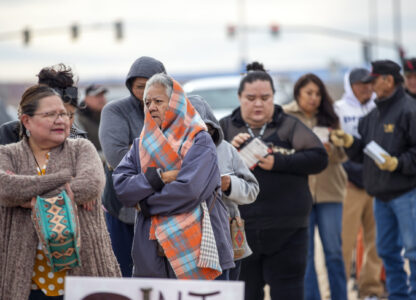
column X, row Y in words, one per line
column 221, row 92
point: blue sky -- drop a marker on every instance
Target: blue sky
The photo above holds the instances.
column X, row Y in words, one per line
column 190, row 36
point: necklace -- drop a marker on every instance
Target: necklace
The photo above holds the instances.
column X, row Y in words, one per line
column 262, row 130
column 41, row 171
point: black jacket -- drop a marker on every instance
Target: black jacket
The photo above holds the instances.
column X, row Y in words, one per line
column 392, row 125
column 284, row 200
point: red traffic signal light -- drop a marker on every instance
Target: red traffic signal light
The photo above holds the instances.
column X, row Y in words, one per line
column 231, row 31
column 274, row 29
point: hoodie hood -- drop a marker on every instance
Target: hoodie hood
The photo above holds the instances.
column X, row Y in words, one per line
column 145, row 67
column 205, row 111
column 349, row 96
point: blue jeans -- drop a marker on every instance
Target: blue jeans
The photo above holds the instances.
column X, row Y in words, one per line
column 396, row 228
column 121, row 235
column 328, row 218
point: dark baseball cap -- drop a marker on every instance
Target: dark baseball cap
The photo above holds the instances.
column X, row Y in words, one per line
column 358, row 75
column 409, row 65
column 383, row 67
column 94, row 90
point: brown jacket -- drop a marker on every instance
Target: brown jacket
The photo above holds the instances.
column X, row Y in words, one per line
column 330, row 184
column 76, row 161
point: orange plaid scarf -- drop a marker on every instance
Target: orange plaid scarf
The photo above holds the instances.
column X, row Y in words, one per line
column 179, row 235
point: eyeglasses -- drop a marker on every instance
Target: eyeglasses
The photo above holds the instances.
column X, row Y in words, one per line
column 53, row 115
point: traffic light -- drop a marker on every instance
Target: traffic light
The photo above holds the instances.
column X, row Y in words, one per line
column 119, row 30
column 274, row 29
column 26, row 36
column 74, row 31
column 231, row 31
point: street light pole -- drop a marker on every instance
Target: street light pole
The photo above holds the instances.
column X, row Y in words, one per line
column 242, row 34
column 397, row 25
column 373, row 26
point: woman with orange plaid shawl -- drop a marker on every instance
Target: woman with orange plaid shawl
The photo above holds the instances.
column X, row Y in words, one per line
column 171, row 175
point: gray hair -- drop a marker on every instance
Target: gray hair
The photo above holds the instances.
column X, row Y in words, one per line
column 162, row 79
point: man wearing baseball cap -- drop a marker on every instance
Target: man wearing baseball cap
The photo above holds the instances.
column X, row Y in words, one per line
column 409, row 68
column 357, row 212
column 89, row 113
column 393, row 183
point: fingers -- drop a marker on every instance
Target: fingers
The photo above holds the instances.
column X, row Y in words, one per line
column 240, row 139
column 33, row 202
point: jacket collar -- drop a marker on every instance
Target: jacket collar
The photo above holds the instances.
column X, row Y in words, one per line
column 397, row 95
column 238, row 121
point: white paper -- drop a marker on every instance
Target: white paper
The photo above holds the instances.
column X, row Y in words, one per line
column 322, row 133
column 374, row 151
column 78, row 288
column 254, row 147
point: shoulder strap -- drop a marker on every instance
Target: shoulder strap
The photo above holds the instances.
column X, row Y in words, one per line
column 213, row 201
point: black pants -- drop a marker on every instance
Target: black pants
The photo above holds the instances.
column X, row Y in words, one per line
column 39, row 295
column 279, row 260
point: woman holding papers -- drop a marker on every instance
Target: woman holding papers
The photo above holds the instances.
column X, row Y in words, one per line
column 313, row 106
column 277, row 222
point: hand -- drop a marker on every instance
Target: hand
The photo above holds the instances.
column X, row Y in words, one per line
column 239, row 139
column 390, row 163
column 69, row 191
column 328, row 147
column 225, row 182
column 169, row 176
column 29, row 204
column 89, row 206
column 266, row 163
column 341, row 139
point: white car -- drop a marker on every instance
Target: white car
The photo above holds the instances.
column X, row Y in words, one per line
column 221, row 92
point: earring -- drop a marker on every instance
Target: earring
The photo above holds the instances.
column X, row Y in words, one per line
column 27, row 133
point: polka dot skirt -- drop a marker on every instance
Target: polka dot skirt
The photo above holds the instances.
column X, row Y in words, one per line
column 51, row 284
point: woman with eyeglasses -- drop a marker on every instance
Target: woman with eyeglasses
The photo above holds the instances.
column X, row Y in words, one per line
column 45, row 163
column 61, row 79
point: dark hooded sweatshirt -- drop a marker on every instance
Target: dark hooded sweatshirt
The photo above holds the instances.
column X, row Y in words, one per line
column 284, row 200
column 122, row 122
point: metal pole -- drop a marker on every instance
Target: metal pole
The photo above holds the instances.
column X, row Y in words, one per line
column 397, row 25
column 373, row 27
column 243, row 34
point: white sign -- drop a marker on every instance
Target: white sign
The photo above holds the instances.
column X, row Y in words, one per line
column 99, row 288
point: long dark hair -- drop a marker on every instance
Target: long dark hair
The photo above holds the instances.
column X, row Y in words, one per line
column 255, row 71
column 326, row 113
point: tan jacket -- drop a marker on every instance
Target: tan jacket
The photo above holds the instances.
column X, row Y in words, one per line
column 77, row 162
column 330, row 184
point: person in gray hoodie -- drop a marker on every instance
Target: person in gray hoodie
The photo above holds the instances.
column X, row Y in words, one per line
column 238, row 184
column 122, row 122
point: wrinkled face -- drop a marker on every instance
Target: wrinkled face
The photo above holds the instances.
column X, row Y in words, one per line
column 49, row 126
column 256, row 101
column 362, row 91
column 96, row 103
column 71, row 111
column 383, row 86
column 410, row 81
column 157, row 102
column 138, row 86
column 309, row 98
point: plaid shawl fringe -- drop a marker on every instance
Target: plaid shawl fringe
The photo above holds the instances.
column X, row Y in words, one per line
column 189, row 246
